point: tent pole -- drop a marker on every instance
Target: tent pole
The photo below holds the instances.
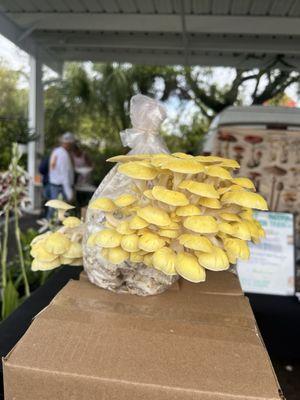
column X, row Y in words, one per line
column 36, row 123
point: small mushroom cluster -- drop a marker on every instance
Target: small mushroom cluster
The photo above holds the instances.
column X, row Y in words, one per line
column 182, row 215
column 64, row 246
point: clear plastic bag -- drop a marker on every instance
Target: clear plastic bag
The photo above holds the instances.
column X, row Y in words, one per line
column 146, row 117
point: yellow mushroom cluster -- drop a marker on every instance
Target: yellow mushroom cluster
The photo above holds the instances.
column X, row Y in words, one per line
column 64, row 246
column 182, row 215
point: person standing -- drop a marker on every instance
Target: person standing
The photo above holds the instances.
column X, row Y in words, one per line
column 61, row 171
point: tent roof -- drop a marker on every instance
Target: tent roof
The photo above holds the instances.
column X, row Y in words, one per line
column 240, row 33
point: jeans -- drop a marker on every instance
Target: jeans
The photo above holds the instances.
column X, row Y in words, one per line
column 55, row 191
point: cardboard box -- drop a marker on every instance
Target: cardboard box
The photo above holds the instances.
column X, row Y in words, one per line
column 191, row 342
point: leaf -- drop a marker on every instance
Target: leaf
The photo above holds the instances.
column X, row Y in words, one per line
column 10, row 299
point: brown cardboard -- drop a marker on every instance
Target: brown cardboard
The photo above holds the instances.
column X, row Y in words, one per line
column 188, row 343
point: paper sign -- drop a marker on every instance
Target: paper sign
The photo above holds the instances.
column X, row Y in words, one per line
column 271, row 268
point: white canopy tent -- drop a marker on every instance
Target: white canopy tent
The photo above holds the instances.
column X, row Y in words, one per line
column 240, row 33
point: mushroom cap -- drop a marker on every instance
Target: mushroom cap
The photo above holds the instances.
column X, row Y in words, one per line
column 150, row 242
column 123, row 228
column 38, row 238
column 147, row 260
column 183, row 166
column 241, row 230
column 209, row 159
column 41, row 254
column 247, row 214
column 237, row 248
column 154, row 215
column 210, row 203
column 74, row 251
column 188, row 267
column 228, row 163
column 117, row 255
column 125, row 200
column 108, row 238
column 71, row 222
column 138, row 170
column 173, row 226
column 57, row 243
column 245, row 199
column 201, row 224
column 164, row 260
column 136, row 257
column 169, row 233
column 45, row 266
column 91, row 241
column 195, row 242
column 158, row 160
column 187, row 211
column 231, row 188
column 230, row 217
column 182, row 155
column 129, row 157
column 199, row 188
column 253, row 229
column 138, row 223
column 59, row 205
column 130, row 243
column 226, row 227
column 170, row 197
column 217, row 172
column 244, row 182
column 103, row 204
column 217, row 260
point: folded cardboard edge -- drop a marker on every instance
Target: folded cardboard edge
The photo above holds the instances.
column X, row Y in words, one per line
column 125, row 383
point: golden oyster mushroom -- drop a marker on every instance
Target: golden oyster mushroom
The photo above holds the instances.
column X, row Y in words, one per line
column 136, row 257
column 230, row 217
column 195, row 242
column 74, row 251
column 188, row 267
column 147, row 260
column 247, row 214
column 183, row 166
column 71, row 222
column 188, row 210
column 123, row 228
column 77, row 262
column 210, row 203
column 39, row 238
column 91, row 241
column 226, row 227
column 201, row 224
column 41, row 254
column 237, row 248
column 241, row 231
column 182, row 155
column 164, row 260
column 103, row 204
column 45, row 266
column 108, row 238
column 130, row 243
column 125, row 200
column 57, row 243
column 129, row 157
column 137, row 223
column 60, row 206
column 154, row 215
column 173, row 226
column 199, row 188
column 217, row 260
column 117, row 255
column 138, row 170
column 170, row 197
column 150, row 242
column 169, row 233
column 218, row 172
column 148, row 194
column 245, row 199
column 244, row 182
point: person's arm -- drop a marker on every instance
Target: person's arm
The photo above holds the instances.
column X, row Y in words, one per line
column 66, row 176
